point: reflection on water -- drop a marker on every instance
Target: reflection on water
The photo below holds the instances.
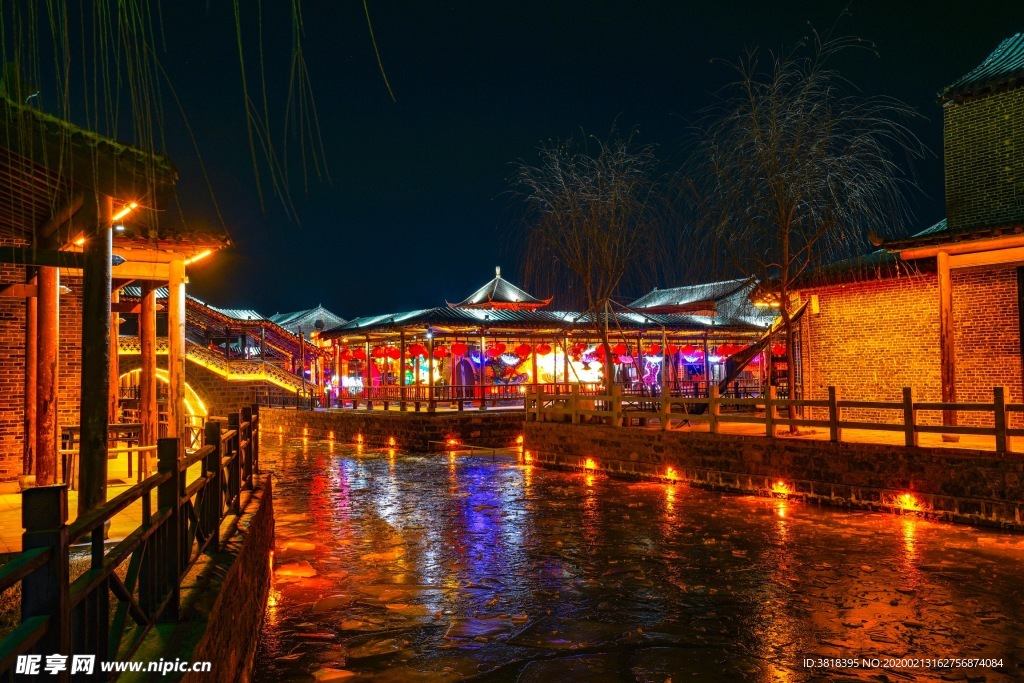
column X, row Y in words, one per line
column 395, row 567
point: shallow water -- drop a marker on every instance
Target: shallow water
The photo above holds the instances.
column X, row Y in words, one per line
column 399, row 567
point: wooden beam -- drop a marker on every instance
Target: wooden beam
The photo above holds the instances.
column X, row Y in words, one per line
column 130, row 307
column 991, row 244
column 1014, row 255
column 28, row 256
column 18, row 290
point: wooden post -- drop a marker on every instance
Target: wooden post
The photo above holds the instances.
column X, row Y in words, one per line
column 44, row 592
column 31, row 369
column 533, row 361
column 148, row 410
column 94, row 416
column 431, row 403
column 999, row 404
column 713, row 407
column 401, row 371
column 574, row 403
column 947, row 346
column 263, row 343
column 48, row 321
column 483, row 375
column 835, row 432
column 160, row 577
column 210, row 514
column 176, row 352
column 336, row 369
column 707, row 368
column 616, row 403
column 367, row 376
column 910, row 435
column 114, row 399
column 302, row 360
column 769, row 413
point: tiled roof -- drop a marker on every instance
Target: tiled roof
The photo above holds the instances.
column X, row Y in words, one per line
column 1005, row 66
column 468, row 319
column 500, row 291
column 238, row 313
column 689, row 295
column 308, row 319
column 940, row 233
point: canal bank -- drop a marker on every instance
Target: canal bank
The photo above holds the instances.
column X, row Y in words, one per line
column 959, row 485
column 410, row 431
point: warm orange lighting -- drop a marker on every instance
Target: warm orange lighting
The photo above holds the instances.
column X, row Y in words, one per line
column 671, row 474
column 527, row 457
column 589, row 464
column 359, row 438
column 519, row 440
column 80, row 241
column 128, row 208
column 781, row 488
column 909, row 503
column 330, row 435
column 198, row 257
column 391, row 441
column 453, row 442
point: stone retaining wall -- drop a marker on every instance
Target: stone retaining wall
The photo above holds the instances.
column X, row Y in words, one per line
column 411, row 431
column 960, row 485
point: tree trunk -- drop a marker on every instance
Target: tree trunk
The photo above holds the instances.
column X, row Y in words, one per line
column 790, row 367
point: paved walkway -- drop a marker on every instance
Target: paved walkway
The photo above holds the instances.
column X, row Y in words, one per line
column 121, row 525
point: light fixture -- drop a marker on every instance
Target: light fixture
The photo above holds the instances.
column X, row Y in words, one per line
column 119, row 227
column 131, row 206
column 198, row 257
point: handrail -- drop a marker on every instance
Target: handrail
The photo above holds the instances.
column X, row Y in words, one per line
column 620, row 410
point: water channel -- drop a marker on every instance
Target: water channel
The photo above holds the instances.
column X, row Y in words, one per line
column 411, row 567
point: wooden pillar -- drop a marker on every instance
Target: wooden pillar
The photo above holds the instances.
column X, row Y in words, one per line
column 336, row 370
column 302, row 360
column 28, row 466
column 114, row 401
column 401, row 370
column 367, row 376
column 148, row 409
column 176, row 353
column 431, row 404
column 947, row 348
column 483, row 375
column 565, row 362
column 94, row 415
column 533, row 360
column 263, row 344
column 48, row 321
column 707, row 368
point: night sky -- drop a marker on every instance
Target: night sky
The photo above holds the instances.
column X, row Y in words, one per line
column 417, row 210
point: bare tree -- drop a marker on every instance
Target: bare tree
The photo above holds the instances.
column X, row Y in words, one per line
column 793, row 167
column 590, row 221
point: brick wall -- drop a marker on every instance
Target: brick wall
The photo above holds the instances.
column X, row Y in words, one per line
column 958, row 485
column 873, row 338
column 411, row 431
column 12, row 376
column 984, row 159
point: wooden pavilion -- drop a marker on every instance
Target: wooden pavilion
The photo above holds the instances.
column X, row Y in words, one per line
column 78, row 223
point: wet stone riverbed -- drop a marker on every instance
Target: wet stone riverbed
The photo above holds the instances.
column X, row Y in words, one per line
column 405, row 567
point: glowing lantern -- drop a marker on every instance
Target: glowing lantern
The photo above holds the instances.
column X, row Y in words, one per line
column 543, row 349
column 625, row 360
column 459, row 349
column 589, row 464
column 599, row 351
column 345, row 353
column 653, row 350
column 495, row 350
column 391, row 441
column 416, row 350
column 440, row 351
column 527, row 457
column 781, row 488
column 578, row 349
column 523, row 350
column 689, row 351
column 620, row 349
column 392, row 352
column 379, row 352
column 724, row 350
column 671, row 474
column 359, row 354
column 673, row 349
column 778, row 349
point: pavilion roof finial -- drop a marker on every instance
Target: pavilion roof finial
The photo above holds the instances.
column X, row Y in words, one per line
column 497, row 271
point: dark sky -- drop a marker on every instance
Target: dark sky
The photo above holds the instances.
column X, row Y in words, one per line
column 416, row 210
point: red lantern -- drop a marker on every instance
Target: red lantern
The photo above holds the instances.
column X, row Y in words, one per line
column 779, row 350
column 543, row 349
column 496, row 349
column 345, row 353
column 689, row 350
column 523, row 350
column 416, row 350
column 620, row 349
column 459, row 349
column 673, row 349
column 379, row 352
column 578, row 349
column 393, row 352
column 359, row 354
column 599, row 351
column 653, row 350
column 440, row 351
column 725, row 350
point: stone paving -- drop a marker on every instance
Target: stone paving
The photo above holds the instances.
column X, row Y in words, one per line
column 406, row 567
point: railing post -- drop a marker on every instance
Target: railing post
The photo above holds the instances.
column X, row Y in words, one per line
column 664, row 408
column 835, row 432
column 235, row 465
column 616, row 404
column 909, row 418
column 713, row 408
column 574, row 404
column 999, row 404
column 250, row 438
column 769, row 412
column 44, row 592
column 210, row 514
column 254, row 462
column 160, row 575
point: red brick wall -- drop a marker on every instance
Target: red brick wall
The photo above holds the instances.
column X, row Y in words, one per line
column 12, row 376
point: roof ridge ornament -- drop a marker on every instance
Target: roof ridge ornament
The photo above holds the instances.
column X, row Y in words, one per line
column 497, row 271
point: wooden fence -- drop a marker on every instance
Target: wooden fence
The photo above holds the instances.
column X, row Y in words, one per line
column 771, row 412
column 61, row 615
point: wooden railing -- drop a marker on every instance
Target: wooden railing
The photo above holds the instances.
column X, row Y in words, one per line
column 61, row 615
column 771, row 412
